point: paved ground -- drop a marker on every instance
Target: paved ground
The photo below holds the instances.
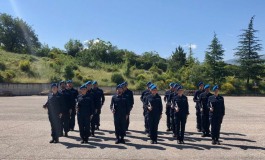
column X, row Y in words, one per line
column 25, row 132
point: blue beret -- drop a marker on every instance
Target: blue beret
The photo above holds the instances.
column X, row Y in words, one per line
column 95, row 82
column 83, row 86
column 88, row 82
column 206, row 86
column 171, row 84
column 61, row 82
column 119, row 86
column 215, row 87
column 125, row 83
column 153, row 87
column 175, row 85
column 148, row 83
column 69, row 81
column 54, row 85
column 179, row 87
column 200, row 83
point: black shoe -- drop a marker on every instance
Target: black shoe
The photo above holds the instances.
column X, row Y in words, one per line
column 155, row 142
column 179, row 142
column 218, row 142
column 168, row 130
column 182, row 142
column 117, row 141
column 122, row 141
column 174, row 135
column 92, row 135
column 199, row 130
column 97, row 128
column 148, row 135
column 52, row 141
column 82, row 142
column 203, row 135
column 213, row 142
column 152, row 142
column 56, row 141
column 208, row 135
column 86, row 141
column 66, row 134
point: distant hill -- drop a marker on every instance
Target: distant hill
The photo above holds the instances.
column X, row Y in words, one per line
column 234, row 61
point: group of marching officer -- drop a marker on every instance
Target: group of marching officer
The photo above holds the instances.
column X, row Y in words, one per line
column 64, row 103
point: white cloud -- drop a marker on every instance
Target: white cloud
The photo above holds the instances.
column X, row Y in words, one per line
column 193, row 46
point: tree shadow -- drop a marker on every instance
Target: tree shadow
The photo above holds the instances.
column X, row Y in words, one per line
column 244, row 147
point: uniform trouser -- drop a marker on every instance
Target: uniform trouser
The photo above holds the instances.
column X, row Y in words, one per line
column 65, row 122
column 153, row 124
column 120, row 125
column 180, row 123
column 168, row 117
column 72, row 119
column 205, row 122
column 128, row 122
column 84, row 126
column 198, row 118
column 93, row 123
column 97, row 117
column 146, row 123
column 172, row 120
column 56, row 126
column 216, row 122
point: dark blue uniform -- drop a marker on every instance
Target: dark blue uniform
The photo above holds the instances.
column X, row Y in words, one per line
column 145, row 113
column 92, row 95
column 85, row 108
column 65, row 120
column 129, row 96
column 216, row 117
column 154, row 115
column 74, row 94
column 205, row 112
column 180, row 102
column 100, row 99
column 196, row 99
column 55, row 105
column 121, row 108
column 167, row 99
column 172, row 113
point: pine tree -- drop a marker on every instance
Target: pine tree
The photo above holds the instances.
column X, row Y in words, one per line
column 251, row 64
column 214, row 60
column 178, row 59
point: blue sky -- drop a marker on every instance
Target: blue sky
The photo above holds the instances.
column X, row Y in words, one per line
column 142, row 25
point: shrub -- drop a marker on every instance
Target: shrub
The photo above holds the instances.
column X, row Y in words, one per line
column 9, row 75
column 55, row 78
column 24, row 65
column 104, row 80
column 140, row 85
column 1, row 78
column 2, row 66
column 68, row 72
column 228, row 88
column 79, row 76
column 117, row 78
column 141, row 77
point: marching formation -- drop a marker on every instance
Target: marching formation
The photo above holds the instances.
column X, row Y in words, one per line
column 64, row 103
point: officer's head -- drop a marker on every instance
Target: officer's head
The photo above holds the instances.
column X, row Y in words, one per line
column 153, row 90
column 89, row 85
column 201, row 85
column 175, row 87
column 180, row 90
column 207, row 88
column 54, row 87
column 69, row 84
column 125, row 85
column 95, row 84
column 119, row 89
column 83, row 89
column 216, row 89
column 148, row 84
column 171, row 85
column 62, row 84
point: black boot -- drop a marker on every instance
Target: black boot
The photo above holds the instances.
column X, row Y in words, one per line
column 56, row 140
column 66, row 134
column 213, row 142
column 52, row 141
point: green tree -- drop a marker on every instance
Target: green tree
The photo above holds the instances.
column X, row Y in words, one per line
column 177, row 59
column 214, row 60
column 117, row 78
column 68, row 72
column 190, row 59
column 17, row 36
column 73, row 47
column 251, row 64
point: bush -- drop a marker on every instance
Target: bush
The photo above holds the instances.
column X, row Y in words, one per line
column 228, row 88
column 141, row 77
column 140, row 85
column 55, row 79
column 1, row 78
column 68, row 72
column 9, row 75
column 24, row 65
column 117, row 78
column 2, row 66
column 104, row 80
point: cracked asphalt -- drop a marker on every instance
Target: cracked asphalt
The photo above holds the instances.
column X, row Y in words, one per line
column 25, row 134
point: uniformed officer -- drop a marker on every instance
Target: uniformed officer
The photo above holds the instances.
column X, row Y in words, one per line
column 154, row 107
column 167, row 96
column 205, row 111
column 91, row 94
column 100, row 99
column 85, row 111
column 172, row 109
column 120, row 109
column 181, row 107
column 144, row 94
column 54, row 105
column 217, row 112
column 196, row 99
column 65, row 120
column 74, row 94
column 129, row 96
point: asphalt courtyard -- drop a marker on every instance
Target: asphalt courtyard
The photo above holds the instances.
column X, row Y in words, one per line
column 25, row 134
